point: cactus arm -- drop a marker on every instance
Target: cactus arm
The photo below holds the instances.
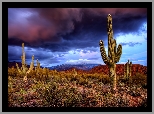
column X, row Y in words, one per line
column 18, row 68
column 31, row 65
column 103, row 52
column 115, row 47
column 118, row 53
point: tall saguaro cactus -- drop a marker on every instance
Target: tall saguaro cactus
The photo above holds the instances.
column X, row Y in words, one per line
column 23, row 60
column 114, row 53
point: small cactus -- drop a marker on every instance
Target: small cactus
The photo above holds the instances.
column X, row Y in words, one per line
column 38, row 64
column 74, row 72
column 127, row 70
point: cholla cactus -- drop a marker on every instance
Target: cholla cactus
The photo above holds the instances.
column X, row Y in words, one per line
column 114, row 53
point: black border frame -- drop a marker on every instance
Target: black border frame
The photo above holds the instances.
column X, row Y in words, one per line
column 6, row 5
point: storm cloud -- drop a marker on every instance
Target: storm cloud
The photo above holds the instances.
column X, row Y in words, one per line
column 53, row 32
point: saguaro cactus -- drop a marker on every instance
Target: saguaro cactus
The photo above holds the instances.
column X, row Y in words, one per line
column 23, row 60
column 74, row 73
column 38, row 67
column 38, row 64
column 24, row 70
column 127, row 71
column 114, row 53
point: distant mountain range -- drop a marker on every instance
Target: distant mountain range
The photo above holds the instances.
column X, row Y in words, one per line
column 69, row 66
column 91, row 68
column 60, row 67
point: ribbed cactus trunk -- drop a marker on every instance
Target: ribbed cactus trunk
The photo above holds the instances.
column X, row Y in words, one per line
column 23, row 60
column 112, row 74
column 38, row 67
column 23, row 55
column 114, row 53
column 128, row 67
column 128, row 72
column 38, row 64
column 23, row 63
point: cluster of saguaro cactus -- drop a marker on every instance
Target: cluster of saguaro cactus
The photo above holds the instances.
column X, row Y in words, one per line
column 127, row 70
column 24, row 70
column 114, row 53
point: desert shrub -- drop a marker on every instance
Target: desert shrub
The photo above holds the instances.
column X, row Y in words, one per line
column 52, row 97
column 139, row 79
column 74, row 79
column 104, row 79
column 72, row 100
column 12, row 72
column 124, row 80
column 59, row 97
column 83, row 81
column 89, row 85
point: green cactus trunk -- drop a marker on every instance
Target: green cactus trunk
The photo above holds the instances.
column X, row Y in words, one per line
column 112, row 74
column 114, row 53
column 23, row 69
column 38, row 64
column 23, row 60
column 37, row 68
column 127, row 70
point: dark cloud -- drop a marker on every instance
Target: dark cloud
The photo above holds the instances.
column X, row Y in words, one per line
column 49, row 27
column 39, row 54
column 43, row 23
column 62, row 29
